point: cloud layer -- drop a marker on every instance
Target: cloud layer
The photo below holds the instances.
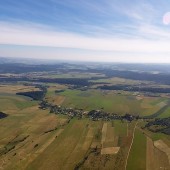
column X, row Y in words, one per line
column 116, row 29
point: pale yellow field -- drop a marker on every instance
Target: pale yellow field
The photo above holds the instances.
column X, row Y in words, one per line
column 13, row 89
column 31, row 134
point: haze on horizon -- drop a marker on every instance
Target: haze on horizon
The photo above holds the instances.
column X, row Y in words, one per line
column 85, row 30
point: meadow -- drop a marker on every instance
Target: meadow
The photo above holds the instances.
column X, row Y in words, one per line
column 137, row 157
column 112, row 102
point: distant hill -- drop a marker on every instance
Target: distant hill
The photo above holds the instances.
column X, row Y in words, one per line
column 12, row 60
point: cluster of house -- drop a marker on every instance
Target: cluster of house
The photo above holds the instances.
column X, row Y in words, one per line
column 80, row 113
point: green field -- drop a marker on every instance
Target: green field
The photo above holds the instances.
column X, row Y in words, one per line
column 66, row 150
column 120, row 128
column 110, row 102
column 12, row 101
column 137, row 157
column 166, row 113
column 22, row 134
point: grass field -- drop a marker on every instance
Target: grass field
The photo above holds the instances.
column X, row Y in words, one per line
column 166, row 113
column 68, row 149
column 14, row 88
column 137, row 157
column 120, row 128
column 110, row 102
column 157, row 156
column 117, row 80
column 24, row 133
column 14, row 102
column 26, row 136
column 52, row 88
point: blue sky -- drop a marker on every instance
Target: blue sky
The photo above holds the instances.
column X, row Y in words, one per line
column 91, row 30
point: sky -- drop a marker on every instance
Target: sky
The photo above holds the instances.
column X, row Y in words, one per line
column 86, row 30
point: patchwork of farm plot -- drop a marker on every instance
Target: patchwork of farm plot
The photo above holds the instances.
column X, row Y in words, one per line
column 35, row 139
column 111, row 102
column 109, row 140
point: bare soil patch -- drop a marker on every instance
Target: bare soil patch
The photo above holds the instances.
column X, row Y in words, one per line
column 111, row 150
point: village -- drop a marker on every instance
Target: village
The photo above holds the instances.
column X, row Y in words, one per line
column 94, row 115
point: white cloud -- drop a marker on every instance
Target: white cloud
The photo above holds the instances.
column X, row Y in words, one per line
column 41, row 36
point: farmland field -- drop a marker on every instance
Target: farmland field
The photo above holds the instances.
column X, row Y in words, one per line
column 14, row 102
column 66, row 145
column 63, row 120
column 137, row 157
column 68, row 149
column 165, row 113
column 110, row 102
